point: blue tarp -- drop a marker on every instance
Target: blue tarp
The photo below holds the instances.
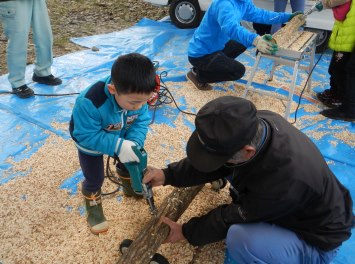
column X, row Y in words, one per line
column 24, row 121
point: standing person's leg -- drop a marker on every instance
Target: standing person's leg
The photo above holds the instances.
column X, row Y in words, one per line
column 346, row 111
column 16, row 20
column 93, row 170
column 279, row 6
column 349, row 93
column 297, row 5
column 251, row 243
column 43, row 40
column 332, row 97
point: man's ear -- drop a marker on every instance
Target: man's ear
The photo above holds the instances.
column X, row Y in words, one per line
column 111, row 89
column 249, row 151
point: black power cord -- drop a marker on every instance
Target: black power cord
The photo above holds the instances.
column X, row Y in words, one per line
column 165, row 97
column 305, row 85
column 111, row 176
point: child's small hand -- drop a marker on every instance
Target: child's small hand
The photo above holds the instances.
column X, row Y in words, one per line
column 127, row 154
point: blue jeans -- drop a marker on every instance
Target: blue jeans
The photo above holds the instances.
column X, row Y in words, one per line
column 17, row 18
column 280, row 6
column 263, row 243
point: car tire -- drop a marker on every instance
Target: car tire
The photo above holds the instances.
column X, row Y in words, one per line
column 185, row 13
column 322, row 40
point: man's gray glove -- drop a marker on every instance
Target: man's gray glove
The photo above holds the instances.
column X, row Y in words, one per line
column 126, row 153
column 264, row 44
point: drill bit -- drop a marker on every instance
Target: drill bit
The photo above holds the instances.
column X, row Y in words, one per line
column 148, row 195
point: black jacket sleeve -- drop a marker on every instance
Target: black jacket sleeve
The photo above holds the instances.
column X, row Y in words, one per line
column 208, row 228
column 183, row 174
column 251, row 208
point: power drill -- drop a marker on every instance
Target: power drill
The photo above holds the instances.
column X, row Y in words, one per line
column 317, row 6
column 136, row 171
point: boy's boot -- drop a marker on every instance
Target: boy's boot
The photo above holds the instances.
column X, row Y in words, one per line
column 125, row 178
column 95, row 215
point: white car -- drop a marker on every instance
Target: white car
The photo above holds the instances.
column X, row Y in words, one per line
column 188, row 14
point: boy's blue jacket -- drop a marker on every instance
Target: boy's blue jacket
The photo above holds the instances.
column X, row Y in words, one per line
column 99, row 125
column 221, row 23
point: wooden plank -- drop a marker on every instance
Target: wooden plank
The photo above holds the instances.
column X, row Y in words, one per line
column 289, row 33
column 155, row 232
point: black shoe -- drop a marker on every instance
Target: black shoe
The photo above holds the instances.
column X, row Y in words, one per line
column 23, row 91
column 49, row 80
column 192, row 77
column 338, row 114
column 326, row 95
column 332, row 103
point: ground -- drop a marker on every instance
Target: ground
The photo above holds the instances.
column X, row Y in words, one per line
column 77, row 18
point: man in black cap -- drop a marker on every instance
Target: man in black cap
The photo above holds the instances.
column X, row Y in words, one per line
column 288, row 207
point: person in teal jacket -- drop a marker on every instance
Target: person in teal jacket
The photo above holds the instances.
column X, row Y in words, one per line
column 109, row 118
column 220, row 38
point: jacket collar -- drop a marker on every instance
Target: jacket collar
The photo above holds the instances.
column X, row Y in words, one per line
column 116, row 107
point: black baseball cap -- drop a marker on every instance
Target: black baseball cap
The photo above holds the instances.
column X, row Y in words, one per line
column 223, row 126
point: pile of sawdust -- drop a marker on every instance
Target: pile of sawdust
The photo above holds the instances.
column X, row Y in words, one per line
column 43, row 223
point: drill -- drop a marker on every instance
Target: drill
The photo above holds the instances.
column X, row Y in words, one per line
column 136, row 171
column 317, row 6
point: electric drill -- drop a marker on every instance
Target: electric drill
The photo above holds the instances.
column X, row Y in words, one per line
column 317, row 6
column 136, row 171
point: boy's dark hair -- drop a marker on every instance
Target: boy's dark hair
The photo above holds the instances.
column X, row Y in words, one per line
column 133, row 73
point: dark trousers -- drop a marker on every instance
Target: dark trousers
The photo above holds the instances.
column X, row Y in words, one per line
column 221, row 65
column 337, row 72
column 348, row 101
column 93, row 170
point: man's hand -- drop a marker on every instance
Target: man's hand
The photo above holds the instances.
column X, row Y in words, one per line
column 264, row 44
column 155, row 176
column 175, row 233
column 126, row 153
column 295, row 14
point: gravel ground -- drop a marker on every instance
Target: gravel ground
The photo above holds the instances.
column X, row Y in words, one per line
column 77, row 18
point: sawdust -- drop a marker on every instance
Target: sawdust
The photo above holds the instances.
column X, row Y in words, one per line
column 41, row 222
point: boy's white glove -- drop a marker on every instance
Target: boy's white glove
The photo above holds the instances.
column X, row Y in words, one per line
column 126, row 153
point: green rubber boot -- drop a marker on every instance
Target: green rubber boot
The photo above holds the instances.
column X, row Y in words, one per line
column 123, row 174
column 95, row 215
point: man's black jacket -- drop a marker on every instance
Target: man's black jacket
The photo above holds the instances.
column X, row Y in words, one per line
column 288, row 184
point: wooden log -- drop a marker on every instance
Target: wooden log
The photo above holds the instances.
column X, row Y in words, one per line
column 155, row 232
column 286, row 35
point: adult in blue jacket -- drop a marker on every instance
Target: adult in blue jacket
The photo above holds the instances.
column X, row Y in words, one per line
column 109, row 118
column 220, row 38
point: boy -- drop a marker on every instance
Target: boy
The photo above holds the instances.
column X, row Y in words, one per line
column 109, row 118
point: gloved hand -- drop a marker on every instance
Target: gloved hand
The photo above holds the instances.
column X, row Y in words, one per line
column 264, row 44
column 295, row 14
column 126, row 153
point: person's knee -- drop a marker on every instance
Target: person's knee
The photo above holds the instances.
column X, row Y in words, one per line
column 238, row 241
column 239, row 73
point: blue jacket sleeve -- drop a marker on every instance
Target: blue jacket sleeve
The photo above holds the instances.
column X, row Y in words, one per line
column 88, row 129
column 138, row 131
column 258, row 15
column 229, row 19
